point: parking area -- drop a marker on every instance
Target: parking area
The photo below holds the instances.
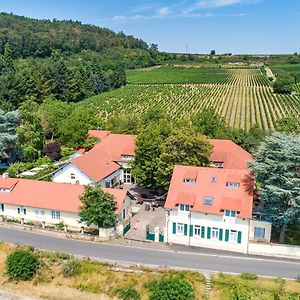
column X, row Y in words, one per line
column 143, row 218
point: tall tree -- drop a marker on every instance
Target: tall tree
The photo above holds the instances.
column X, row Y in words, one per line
column 288, row 124
column 8, row 135
column 183, row 147
column 277, row 173
column 98, row 207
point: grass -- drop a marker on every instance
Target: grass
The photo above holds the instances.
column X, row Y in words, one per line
column 178, row 75
column 227, row 287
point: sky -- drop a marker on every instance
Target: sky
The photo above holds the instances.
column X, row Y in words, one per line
column 195, row 26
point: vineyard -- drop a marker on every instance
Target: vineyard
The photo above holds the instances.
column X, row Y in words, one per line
column 243, row 97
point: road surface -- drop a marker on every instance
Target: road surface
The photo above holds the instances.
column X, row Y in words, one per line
column 202, row 261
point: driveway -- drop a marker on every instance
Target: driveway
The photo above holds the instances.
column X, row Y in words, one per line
column 156, row 217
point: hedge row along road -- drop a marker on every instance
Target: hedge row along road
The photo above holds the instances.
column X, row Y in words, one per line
column 244, row 97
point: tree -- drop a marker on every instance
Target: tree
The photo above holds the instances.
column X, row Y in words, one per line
column 213, row 52
column 72, row 131
column 7, row 60
column 30, row 134
column 288, row 125
column 183, row 147
column 98, row 207
column 277, row 175
column 53, row 150
column 283, row 84
column 171, row 288
column 149, row 140
column 209, row 123
column 8, row 134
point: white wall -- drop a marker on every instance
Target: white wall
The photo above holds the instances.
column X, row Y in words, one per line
column 69, row 219
column 64, row 175
column 209, row 220
column 274, row 250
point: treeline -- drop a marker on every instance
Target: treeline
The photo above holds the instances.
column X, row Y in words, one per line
column 64, row 60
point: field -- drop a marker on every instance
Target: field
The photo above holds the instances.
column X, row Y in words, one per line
column 243, row 97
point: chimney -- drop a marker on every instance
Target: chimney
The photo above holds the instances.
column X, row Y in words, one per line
column 5, row 175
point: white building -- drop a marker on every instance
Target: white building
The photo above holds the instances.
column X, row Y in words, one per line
column 108, row 163
column 49, row 203
column 212, row 207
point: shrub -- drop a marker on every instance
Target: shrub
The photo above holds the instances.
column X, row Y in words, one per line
column 70, row 268
column 298, row 279
column 53, row 150
column 128, row 294
column 171, row 288
column 248, row 276
column 22, row 264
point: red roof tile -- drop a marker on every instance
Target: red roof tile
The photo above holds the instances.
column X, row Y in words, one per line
column 232, row 155
column 186, row 198
column 99, row 134
column 7, row 183
column 50, row 195
column 223, row 197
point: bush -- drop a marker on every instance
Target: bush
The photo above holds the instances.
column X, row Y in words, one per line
column 128, row 294
column 171, row 288
column 248, row 276
column 22, row 264
column 70, row 268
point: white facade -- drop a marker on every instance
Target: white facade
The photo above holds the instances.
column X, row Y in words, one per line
column 207, row 230
column 71, row 174
column 50, row 217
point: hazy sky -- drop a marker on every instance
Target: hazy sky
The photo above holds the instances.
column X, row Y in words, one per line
column 237, row 26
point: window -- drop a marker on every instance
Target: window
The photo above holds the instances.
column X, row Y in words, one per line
column 233, row 184
column 1, row 207
column 230, row 213
column 39, row 213
column 215, row 233
column 123, row 214
column 219, row 165
column 197, row 230
column 213, row 179
column 233, row 236
column 55, row 214
column 127, row 176
column 21, row 210
column 72, row 176
column 259, row 233
column 189, row 181
column 208, row 201
column 180, row 228
column 184, row 207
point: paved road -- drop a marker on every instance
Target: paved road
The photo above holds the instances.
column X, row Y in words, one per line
column 204, row 262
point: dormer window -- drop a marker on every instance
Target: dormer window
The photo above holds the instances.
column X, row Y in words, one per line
column 189, row 181
column 208, row 201
column 233, row 185
column 184, row 207
column 219, row 164
column 230, row 213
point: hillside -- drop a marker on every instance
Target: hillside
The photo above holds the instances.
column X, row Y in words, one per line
column 37, row 38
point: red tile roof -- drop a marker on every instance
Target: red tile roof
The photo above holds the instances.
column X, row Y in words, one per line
column 8, row 183
column 223, row 197
column 50, row 195
column 100, row 161
column 99, row 134
column 232, row 155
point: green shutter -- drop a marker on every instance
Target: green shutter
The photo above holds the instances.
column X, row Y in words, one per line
column 191, row 230
column 203, row 232
column 174, row 228
column 208, row 232
column 226, row 235
column 239, row 240
column 185, row 229
column 220, row 234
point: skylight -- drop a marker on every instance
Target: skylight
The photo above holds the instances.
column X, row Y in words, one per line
column 208, row 201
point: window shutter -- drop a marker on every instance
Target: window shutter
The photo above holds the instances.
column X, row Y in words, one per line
column 185, row 229
column 239, row 239
column 18, row 210
column 220, row 234
column 226, row 235
column 208, row 232
column 191, row 230
column 174, row 228
column 24, row 211
column 203, row 232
